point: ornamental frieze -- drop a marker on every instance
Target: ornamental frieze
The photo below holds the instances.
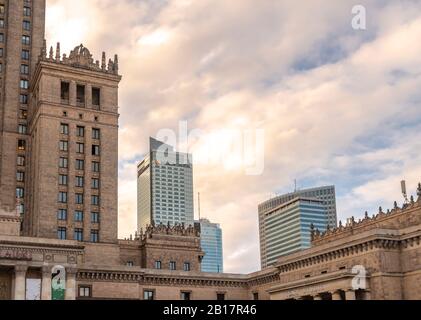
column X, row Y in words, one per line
column 15, row 254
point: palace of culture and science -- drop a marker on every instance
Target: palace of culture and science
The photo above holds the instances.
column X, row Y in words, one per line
column 58, row 200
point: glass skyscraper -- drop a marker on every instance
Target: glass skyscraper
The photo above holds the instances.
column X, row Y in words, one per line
column 326, row 200
column 211, row 243
column 288, row 228
column 165, row 187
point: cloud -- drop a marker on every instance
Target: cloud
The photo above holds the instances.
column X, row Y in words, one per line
column 338, row 106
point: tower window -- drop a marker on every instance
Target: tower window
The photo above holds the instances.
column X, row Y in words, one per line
column 64, row 129
column 25, row 54
column 26, row 25
column 79, row 216
column 95, row 217
column 95, row 150
column 65, row 91
column 23, row 99
column 79, row 235
column 27, row 11
column 62, row 197
column 96, row 97
column 63, row 180
column 20, row 193
column 24, row 69
column 96, row 134
column 80, row 132
column 62, row 215
column 95, row 200
column 21, row 145
column 158, row 265
column 79, row 198
column 62, row 233
column 20, row 176
column 22, row 129
column 64, row 163
column 80, row 164
column 173, row 266
column 80, row 95
column 26, row 40
column 24, row 84
column 94, row 236
column 79, row 182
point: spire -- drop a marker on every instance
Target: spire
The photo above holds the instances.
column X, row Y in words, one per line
column 44, row 50
column 51, row 53
column 58, row 54
column 419, row 192
column 103, row 65
column 116, row 64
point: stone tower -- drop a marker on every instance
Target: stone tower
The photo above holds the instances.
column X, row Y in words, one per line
column 74, row 148
column 22, row 25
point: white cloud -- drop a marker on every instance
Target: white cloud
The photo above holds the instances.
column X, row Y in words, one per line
column 337, row 105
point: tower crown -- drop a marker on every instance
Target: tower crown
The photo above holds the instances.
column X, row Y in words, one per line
column 80, row 57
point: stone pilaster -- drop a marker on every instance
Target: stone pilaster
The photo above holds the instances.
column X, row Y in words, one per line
column 46, row 283
column 70, row 284
column 20, row 282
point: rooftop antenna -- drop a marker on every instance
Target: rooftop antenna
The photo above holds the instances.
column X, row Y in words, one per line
column 295, row 185
column 199, row 205
column 404, row 193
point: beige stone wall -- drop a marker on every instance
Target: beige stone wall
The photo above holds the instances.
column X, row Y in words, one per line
column 49, row 112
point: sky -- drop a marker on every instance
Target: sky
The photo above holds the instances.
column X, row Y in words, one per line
column 284, row 86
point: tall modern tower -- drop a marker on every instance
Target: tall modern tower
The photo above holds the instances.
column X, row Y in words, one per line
column 325, row 206
column 165, row 187
column 22, row 28
column 211, row 243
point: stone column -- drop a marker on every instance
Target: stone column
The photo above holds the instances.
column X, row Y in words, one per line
column 336, row 295
column 46, row 283
column 70, row 284
column 350, row 295
column 20, row 282
column 317, row 297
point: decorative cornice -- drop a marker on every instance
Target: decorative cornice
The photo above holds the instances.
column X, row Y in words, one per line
column 370, row 222
column 80, row 57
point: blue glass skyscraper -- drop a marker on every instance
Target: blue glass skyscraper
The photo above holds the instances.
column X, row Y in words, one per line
column 211, row 242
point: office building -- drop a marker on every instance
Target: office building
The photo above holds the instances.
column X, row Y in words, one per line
column 288, row 227
column 165, row 187
column 211, row 243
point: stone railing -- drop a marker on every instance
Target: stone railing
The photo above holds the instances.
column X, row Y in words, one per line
column 388, row 220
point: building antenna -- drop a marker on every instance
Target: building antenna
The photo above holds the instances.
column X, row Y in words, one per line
column 199, row 205
column 295, row 185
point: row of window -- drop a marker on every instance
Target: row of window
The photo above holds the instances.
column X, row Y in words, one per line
column 85, row 291
column 80, row 131
column 173, row 266
column 79, row 165
column 78, row 234
column 80, row 94
column 79, row 198
column 80, row 148
column 63, row 180
column 62, row 215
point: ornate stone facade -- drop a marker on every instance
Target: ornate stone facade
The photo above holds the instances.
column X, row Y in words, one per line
column 375, row 258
